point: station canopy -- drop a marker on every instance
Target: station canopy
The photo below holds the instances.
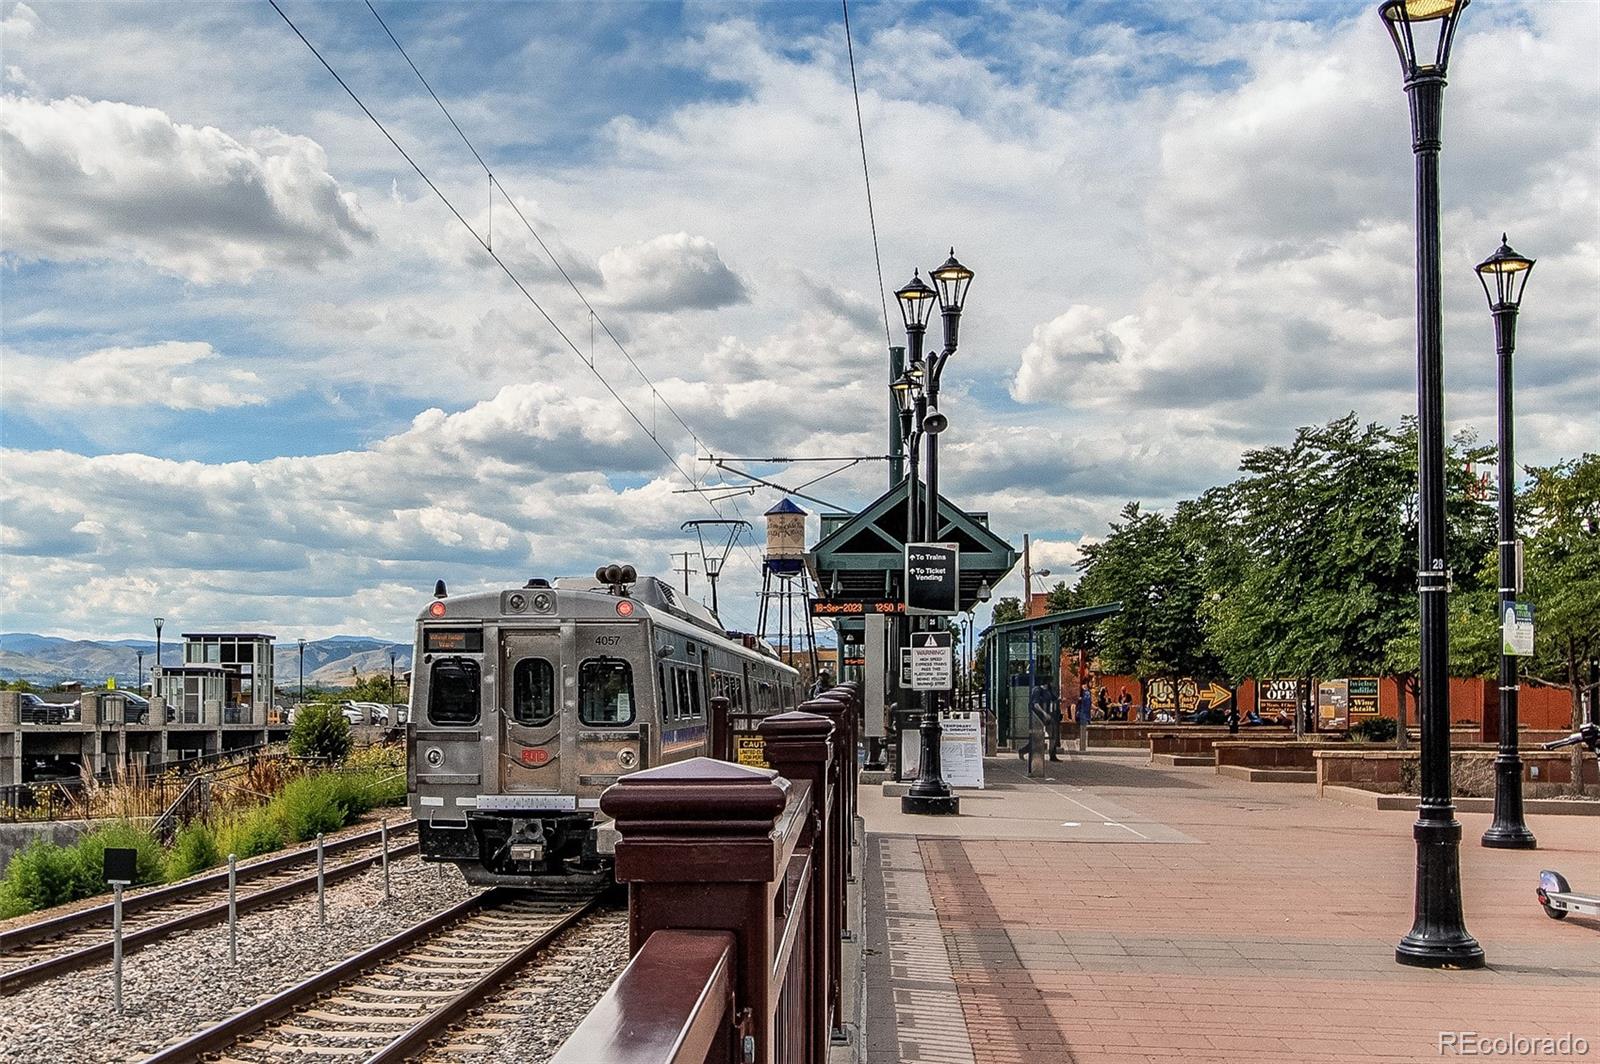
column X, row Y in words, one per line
column 862, row 555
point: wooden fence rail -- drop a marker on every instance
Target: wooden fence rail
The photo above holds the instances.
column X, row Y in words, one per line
column 736, row 900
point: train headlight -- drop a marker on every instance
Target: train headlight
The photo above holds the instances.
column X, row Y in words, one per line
column 434, row 756
column 627, row 758
column 516, row 603
column 544, row 602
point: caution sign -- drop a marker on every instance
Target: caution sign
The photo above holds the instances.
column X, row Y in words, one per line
column 750, row 750
column 932, row 661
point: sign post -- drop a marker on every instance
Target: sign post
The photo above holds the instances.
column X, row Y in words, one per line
column 119, row 867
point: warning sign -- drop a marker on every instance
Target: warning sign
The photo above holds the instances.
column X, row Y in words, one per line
column 750, row 750
column 932, row 663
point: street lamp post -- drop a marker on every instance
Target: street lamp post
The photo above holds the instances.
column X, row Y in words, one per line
column 302, row 697
column 391, row 677
column 159, row 622
column 1508, row 273
column 930, row 794
column 140, row 653
column 1422, row 31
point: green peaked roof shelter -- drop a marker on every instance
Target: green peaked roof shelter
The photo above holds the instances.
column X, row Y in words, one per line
column 866, row 550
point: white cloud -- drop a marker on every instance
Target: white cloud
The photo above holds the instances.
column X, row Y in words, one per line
column 98, row 179
column 175, row 375
column 671, row 272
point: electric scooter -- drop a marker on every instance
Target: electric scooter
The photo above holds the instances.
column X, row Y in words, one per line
column 1555, row 894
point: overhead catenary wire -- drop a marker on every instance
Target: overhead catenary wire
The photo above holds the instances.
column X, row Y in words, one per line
column 594, row 315
column 506, row 269
column 866, row 174
column 554, row 261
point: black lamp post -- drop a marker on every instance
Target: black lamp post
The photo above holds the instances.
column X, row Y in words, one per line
column 984, row 594
column 140, row 653
column 302, row 698
column 930, row 794
column 391, row 677
column 159, row 622
column 1422, row 31
column 1508, row 273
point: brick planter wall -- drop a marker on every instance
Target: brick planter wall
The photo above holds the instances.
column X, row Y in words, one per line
column 1395, row 771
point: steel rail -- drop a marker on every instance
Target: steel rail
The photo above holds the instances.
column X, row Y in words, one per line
column 221, row 1036
column 72, row 960
column 137, row 903
column 431, row 1026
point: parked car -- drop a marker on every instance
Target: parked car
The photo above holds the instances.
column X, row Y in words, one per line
column 353, row 712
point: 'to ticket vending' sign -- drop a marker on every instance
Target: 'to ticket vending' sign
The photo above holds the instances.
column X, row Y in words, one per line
column 933, row 578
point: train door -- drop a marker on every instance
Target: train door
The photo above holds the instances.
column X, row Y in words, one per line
column 530, row 712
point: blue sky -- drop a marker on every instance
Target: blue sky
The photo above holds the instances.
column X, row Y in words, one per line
column 255, row 374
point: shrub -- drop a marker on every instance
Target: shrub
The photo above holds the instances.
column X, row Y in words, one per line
column 149, row 857
column 310, row 805
column 320, row 730
column 251, row 833
column 1376, row 730
column 194, row 850
column 39, row 875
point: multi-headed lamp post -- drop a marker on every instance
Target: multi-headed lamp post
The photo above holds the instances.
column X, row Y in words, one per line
column 1422, row 31
column 1504, row 275
column 917, row 394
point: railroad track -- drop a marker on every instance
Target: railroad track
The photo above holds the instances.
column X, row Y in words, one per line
column 35, row 952
column 389, row 1002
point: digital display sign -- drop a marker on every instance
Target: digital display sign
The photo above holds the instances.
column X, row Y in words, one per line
column 452, row 640
column 854, row 607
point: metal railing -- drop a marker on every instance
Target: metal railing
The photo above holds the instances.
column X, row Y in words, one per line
column 736, row 882
column 162, row 782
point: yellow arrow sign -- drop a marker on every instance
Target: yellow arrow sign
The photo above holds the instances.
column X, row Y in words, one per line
column 1215, row 695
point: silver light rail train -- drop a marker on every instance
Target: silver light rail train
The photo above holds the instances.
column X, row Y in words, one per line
column 528, row 702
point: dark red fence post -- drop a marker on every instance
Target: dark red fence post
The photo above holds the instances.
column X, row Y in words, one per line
column 709, row 845
column 799, row 745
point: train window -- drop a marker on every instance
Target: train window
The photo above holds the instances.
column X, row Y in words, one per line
column 533, row 692
column 694, row 695
column 605, row 691
column 681, row 682
column 453, row 691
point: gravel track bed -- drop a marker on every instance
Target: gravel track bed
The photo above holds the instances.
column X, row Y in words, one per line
column 394, row 815
column 529, row 1018
column 174, row 988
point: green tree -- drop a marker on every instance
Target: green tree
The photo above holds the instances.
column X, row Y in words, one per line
column 1321, row 578
column 1152, row 565
column 1006, row 609
column 1561, row 560
column 320, row 730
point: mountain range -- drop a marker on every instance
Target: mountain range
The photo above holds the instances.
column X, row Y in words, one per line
column 332, row 662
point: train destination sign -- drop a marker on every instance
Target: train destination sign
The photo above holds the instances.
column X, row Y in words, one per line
column 855, row 607
column 933, row 578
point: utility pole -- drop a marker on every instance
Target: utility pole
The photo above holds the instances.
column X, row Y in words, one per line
column 685, row 568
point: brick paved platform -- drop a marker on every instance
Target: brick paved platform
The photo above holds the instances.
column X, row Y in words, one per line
column 1124, row 913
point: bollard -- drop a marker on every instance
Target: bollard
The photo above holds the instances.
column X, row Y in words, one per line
column 116, row 947
column 233, row 910
column 322, row 912
column 383, row 834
